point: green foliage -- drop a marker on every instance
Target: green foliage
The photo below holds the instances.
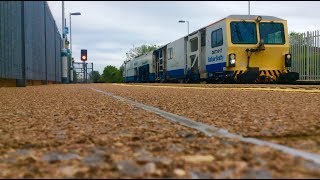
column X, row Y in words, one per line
column 111, row 74
column 302, row 39
column 94, row 76
column 292, row 34
column 133, row 52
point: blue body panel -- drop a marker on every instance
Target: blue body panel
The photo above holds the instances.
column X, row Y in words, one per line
column 176, row 74
column 215, row 67
column 135, row 78
column 152, row 77
column 179, row 73
column 130, row 79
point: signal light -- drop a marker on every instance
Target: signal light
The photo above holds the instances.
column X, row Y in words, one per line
column 83, row 55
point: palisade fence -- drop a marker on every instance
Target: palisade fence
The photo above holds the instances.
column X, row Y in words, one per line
column 305, row 50
column 30, row 43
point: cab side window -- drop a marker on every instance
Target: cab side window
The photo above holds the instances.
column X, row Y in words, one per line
column 170, row 53
column 216, row 38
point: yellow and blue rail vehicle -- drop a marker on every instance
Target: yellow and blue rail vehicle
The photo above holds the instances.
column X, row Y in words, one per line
column 238, row 48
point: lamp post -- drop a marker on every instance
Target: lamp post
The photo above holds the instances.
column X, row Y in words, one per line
column 183, row 21
column 71, row 68
column 75, row 14
column 249, row 7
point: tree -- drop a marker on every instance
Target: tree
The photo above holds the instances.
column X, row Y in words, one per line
column 133, row 52
column 300, row 38
column 94, row 76
column 111, row 74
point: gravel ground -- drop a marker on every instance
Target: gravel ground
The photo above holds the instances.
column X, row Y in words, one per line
column 290, row 118
column 67, row 131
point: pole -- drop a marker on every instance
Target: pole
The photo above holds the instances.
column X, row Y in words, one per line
column 64, row 64
column 71, row 72
column 188, row 27
column 71, row 68
column 249, row 7
column 84, row 72
column 21, row 82
column 63, row 35
column 70, row 37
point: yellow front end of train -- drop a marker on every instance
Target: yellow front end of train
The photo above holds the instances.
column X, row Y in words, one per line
column 258, row 50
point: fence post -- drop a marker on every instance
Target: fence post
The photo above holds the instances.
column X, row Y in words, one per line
column 318, row 57
column 313, row 55
column 307, row 55
column 45, row 43
column 22, row 82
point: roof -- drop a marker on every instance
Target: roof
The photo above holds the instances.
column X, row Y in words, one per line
column 161, row 47
column 244, row 17
column 253, row 17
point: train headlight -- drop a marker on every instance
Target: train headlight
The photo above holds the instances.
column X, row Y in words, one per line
column 232, row 60
column 288, row 56
column 287, row 60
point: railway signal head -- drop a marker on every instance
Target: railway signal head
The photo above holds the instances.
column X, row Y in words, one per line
column 84, row 56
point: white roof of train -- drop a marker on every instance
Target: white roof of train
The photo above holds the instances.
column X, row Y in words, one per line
column 240, row 17
column 253, row 17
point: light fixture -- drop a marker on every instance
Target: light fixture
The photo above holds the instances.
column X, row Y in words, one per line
column 259, row 18
column 287, row 60
column 232, row 60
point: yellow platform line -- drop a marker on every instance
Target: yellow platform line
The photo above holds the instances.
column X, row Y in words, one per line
column 230, row 88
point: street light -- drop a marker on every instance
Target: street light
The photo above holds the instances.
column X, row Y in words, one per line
column 76, row 13
column 183, row 21
column 71, row 68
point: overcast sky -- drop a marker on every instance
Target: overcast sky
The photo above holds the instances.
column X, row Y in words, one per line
column 108, row 29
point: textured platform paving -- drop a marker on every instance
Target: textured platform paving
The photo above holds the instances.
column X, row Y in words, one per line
column 64, row 131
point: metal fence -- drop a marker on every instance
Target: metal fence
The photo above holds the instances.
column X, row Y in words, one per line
column 30, row 43
column 82, row 71
column 305, row 50
column 11, row 40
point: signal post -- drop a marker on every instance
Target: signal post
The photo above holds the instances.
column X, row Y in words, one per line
column 84, row 58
